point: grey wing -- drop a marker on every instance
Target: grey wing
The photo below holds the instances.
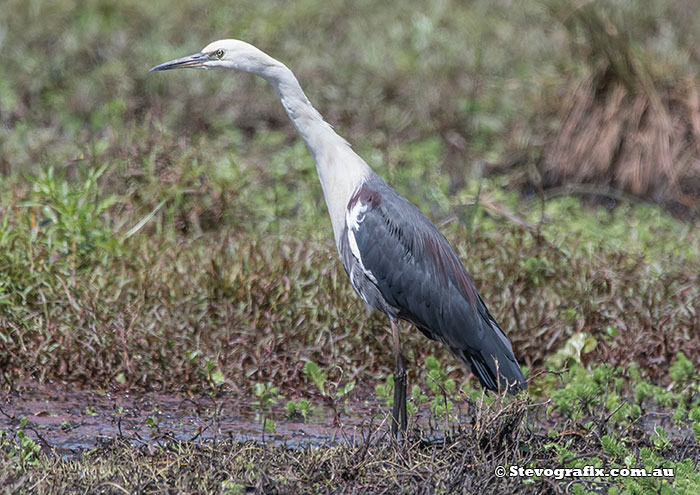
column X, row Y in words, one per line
column 412, row 266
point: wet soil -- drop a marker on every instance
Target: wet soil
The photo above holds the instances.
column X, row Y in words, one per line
column 68, row 421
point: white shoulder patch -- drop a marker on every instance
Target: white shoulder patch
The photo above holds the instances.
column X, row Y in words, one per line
column 354, row 217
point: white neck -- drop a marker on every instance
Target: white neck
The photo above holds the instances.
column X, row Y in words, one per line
column 340, row 170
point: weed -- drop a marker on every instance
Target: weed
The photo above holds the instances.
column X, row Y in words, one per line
column 318, row 377
column 385, row 391
column 660, row 439
column 232, row 488
column 301, row 408
column 215, row 378
column 90, row 411
column 442, row 388
column 20, row 448
column 418, row 398
column 571, row 352
column 267, row 395
column 68, row 219
column 331, row 392
column 683, row 371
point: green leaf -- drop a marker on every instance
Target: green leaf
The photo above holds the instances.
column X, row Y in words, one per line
column 431, row 363
column 346, row 389
column 317, row 376
column 259, row 389
column 218, row 378
column 612, row 331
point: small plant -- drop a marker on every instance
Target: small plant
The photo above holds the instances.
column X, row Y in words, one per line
column 153, row 422
column 320, row 379
column 232, row 488
column 70, row 214
column 659, row 439
column 91, row 411
column 215, row 378
column 385, row 391
column 208, row 369
column 345, row 389
column 330, row 391
column 21, row 449
column 642, row 390
column 28, row 449
column 683, row 371
column 417, row 399
column 267, row 395
column 580, row 395
column 317, row 375
column 441, row 387
column 613, row 446
column 560, row 448
column 295, row 408
column 570, row 353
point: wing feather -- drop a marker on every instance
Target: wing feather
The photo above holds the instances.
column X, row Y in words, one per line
column 417, row 272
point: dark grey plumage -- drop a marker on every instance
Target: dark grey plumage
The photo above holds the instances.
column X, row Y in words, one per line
column 402, row 265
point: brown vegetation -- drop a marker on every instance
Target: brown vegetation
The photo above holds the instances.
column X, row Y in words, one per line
column 626, row 124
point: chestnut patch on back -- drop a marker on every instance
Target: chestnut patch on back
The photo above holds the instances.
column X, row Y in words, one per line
column 366, row 196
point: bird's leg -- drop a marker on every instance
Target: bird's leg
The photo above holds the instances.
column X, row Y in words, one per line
column 400, row 419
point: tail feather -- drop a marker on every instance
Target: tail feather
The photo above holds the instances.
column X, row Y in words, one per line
column 496, row 371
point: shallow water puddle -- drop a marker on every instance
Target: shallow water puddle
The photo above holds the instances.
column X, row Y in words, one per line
column 68, row 421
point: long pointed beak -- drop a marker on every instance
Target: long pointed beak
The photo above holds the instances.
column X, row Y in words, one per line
column 195, row 61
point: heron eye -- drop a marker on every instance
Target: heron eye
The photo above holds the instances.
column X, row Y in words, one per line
column 219, row 53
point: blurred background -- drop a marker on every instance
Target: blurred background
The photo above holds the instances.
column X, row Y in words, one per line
column 160, row 224
column 594, row 93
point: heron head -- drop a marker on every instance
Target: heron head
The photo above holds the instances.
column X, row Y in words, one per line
column 222, row 54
